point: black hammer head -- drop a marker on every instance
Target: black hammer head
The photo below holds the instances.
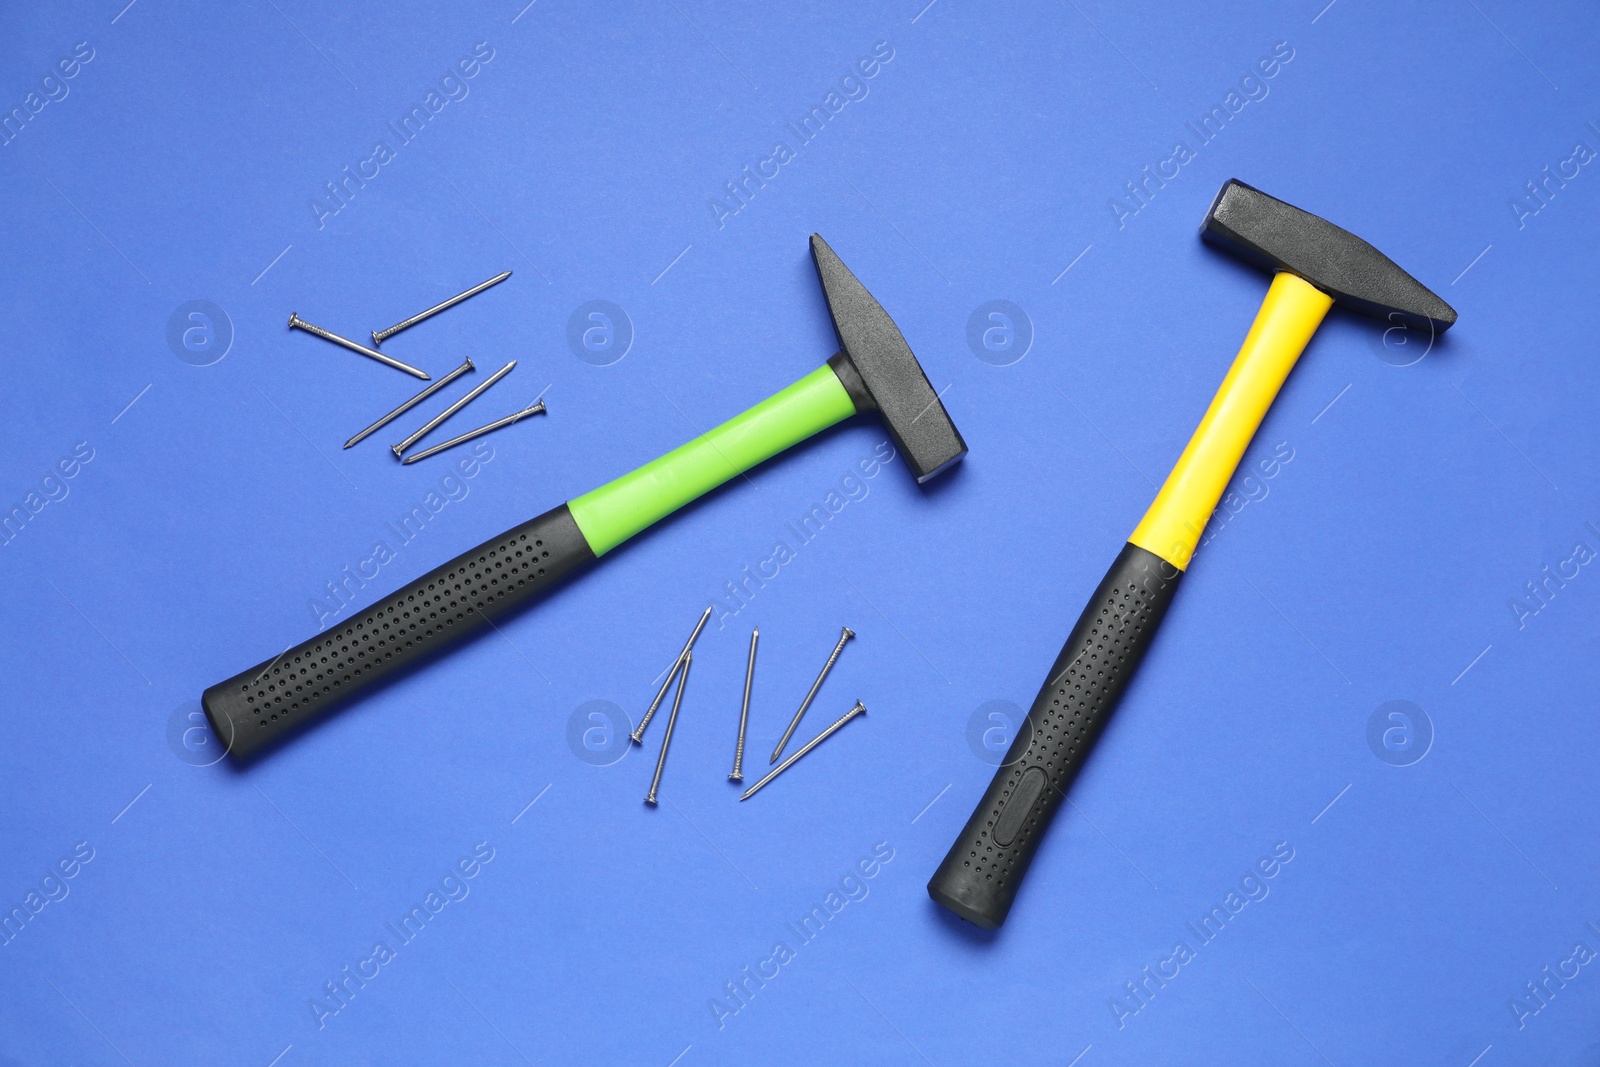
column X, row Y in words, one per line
column 1270, row 233
column 878, row 370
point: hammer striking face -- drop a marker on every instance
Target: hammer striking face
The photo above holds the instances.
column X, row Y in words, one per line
column 1317, row 264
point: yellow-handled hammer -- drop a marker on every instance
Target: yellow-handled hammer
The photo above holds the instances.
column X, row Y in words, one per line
column 1316, row 265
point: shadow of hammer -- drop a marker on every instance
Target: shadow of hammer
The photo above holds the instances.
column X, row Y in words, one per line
column 1317, row 265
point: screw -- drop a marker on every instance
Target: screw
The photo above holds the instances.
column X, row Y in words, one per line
column 806, row 703
column 379, row 336
column 737, row 774
column 859, row 709
column 638, row 734
column 536, row 409
column 413, row 402
column 672, row 719
column 434, row 422
column 297, row 323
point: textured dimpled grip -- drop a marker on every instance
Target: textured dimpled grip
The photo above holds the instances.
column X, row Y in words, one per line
column 979, row 877
column 250, row 711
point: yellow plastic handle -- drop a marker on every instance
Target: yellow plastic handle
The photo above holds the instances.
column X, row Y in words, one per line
column 1290, row 314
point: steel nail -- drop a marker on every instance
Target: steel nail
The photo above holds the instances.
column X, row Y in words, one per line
column 413, row 402
column 537, row 409
column 859, row 709
column 379, row 336
column 672, row 719
column 638, row 734
column 806, row 703
column 737, row 774
column 434, row 422
column 297, row 323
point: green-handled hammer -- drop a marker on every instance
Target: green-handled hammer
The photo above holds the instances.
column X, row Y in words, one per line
column 874, row 370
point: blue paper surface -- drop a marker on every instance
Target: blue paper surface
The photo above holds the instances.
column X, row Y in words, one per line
column 1378, row 681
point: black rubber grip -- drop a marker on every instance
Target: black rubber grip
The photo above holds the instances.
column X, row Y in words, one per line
column 979, row 877
column 252, row 710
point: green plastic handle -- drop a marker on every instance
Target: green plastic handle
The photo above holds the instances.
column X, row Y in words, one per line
column 616, row 511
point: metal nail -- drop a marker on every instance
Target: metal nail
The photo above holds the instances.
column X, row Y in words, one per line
column 297, row 323
column 737, row 774
column 638, row 734
column 413, row 402
column 537, row 409
column 859, row 709
column 672, row 719
column 379, row 336
column 806, row 703
column 434, row 422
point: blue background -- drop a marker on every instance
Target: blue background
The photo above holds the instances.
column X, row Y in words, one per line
column 1380, row 565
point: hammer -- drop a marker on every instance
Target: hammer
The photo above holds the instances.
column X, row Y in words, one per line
column 1316, row 265
column 874, row 370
